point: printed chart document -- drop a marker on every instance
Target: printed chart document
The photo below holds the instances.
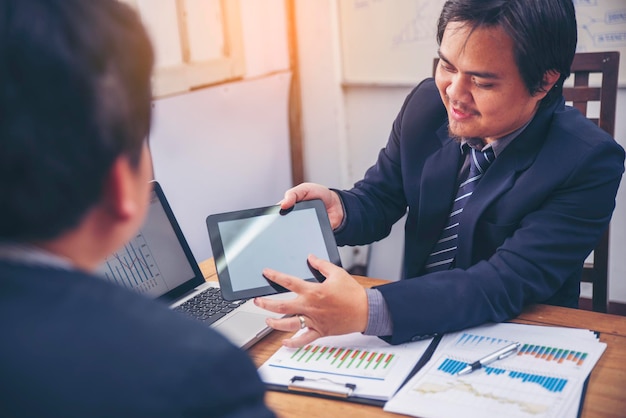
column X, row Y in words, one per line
column 544, row 378
column 353, row 366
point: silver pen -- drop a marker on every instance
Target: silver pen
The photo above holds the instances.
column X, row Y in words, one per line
column 498, row 355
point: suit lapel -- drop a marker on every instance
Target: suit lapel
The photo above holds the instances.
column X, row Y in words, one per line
column 437, row 188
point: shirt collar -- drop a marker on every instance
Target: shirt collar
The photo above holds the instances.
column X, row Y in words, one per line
column 498, row 146
column 29, row 254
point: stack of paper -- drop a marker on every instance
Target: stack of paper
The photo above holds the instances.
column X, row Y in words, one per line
column 353, row 366
column 545, row 378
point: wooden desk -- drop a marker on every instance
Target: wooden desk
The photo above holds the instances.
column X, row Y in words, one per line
column 606, row 392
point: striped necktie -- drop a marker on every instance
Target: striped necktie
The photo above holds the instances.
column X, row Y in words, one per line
column 443, row 253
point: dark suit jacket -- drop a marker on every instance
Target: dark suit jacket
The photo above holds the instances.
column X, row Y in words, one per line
column 524, row 234
column 74, row 345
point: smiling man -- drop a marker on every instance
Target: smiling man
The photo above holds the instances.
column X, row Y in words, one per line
column 480, row 85
column 507, row 189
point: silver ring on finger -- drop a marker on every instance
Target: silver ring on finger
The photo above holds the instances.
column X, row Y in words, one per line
column 302, row 322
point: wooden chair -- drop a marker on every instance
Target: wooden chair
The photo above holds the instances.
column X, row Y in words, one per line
column 580, row 94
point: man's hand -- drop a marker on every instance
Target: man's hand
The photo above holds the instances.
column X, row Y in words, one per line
column 336, row 306
column 309, row 191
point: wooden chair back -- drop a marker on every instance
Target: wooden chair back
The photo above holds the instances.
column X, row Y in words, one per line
column 580, row 94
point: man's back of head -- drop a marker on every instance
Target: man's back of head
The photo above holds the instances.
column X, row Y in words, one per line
column 74, row 96
column 74, row 179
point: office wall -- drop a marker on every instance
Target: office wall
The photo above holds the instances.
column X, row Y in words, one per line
column 352, row 120
column 226, row 147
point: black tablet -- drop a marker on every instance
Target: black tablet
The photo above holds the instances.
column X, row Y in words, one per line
column 245, row 242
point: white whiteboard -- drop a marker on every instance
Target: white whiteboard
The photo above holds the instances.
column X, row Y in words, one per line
column 388, row 41
column 602, row 27
column 394, row 41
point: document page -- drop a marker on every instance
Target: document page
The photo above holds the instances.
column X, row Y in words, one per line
column 348, row 365
column 543, row 378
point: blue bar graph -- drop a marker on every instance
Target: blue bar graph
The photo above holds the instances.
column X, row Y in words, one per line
column 552, row 384
column 452, row 366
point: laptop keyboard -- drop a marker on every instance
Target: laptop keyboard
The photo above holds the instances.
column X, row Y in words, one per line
column 208, row 306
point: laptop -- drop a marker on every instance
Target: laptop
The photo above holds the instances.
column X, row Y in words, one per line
column 159, row 264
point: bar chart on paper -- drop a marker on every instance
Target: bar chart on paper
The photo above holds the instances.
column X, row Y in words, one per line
column 550, row 383
column 554, row 354
column 133, row 266
column 340, row 361
column 372, row 367
column 543, row 379
column 513, row 391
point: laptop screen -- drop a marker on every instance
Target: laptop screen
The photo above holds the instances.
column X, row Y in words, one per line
column 157, row 261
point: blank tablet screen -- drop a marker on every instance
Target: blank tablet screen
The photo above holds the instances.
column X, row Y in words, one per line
column 247, row 241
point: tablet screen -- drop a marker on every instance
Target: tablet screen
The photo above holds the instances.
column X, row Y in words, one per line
column 247, row 241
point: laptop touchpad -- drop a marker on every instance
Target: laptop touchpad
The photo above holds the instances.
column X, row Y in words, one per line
column 242, row 326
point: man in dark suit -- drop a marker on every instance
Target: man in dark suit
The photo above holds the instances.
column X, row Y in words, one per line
column 507, row 189
column 75, row 102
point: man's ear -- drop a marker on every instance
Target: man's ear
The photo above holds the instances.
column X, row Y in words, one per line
column 550, row 78
column 119, row 190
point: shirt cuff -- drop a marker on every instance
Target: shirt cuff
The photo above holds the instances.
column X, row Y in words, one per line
column 379, row 320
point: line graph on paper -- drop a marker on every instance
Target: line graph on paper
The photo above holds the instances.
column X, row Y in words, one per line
column 503, row 391
column 544, row 379
column 133, row 266
column 537, row 382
